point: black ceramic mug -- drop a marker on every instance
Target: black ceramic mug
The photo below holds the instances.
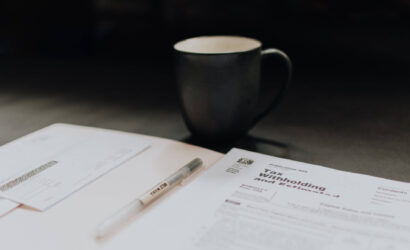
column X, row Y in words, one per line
column 218, row 79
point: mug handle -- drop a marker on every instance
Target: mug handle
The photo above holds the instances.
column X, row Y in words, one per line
column 284, row 87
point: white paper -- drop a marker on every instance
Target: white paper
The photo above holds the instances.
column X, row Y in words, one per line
column 253, row 201
column 6, row 206
column 44, row 167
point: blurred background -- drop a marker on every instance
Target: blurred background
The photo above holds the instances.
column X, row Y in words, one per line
column 362, row 39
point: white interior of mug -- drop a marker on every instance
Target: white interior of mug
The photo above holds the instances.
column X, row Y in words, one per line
column 217, row 44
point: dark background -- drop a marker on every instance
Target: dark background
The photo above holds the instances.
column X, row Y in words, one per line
column 359, row 38
column 109, row 63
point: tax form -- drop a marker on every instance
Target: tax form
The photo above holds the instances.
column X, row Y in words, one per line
column 253, row 201
column 44, row 167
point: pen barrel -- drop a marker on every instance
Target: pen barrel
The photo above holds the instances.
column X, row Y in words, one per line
column 119, row 218
column 171, row 181
column 163, row 186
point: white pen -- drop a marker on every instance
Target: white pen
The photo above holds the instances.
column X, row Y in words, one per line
column 137, row 205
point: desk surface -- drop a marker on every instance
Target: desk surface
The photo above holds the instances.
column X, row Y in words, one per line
column 352, row 125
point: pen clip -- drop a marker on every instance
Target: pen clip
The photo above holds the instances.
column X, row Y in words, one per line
column 190, row 178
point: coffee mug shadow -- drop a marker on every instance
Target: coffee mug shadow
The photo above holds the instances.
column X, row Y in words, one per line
column 247, row 142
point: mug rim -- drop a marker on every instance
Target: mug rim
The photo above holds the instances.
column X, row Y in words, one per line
column 256, row 45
